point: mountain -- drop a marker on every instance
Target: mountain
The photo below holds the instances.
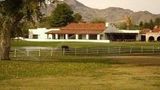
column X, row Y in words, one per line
column 112, row 14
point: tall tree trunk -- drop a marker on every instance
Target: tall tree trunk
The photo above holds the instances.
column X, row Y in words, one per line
column 5, row 41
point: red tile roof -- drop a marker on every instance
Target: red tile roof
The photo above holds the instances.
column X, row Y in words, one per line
column 144, row 31
column 156, row 30
column 81, row 28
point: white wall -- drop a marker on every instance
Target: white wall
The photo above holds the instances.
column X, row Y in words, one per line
column 155, row 35
column 41, row 32
column 69, row 40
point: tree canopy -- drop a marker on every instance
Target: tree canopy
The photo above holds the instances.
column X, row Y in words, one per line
column 62, row 15
column 128, row 22
column 13, row 13
column 151, row 24
column 77, row 17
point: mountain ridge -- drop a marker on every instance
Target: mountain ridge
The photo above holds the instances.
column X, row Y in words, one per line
column 111, row 14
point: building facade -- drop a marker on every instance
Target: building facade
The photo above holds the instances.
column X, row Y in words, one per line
column 79, row 31
column 39, row 33
column 114, row 34
column 84, row 32
column 149, row 35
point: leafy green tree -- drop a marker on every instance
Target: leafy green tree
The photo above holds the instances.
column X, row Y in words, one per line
column 141, row 24
column 77, row 18
column 128, row 22
column 12, row 14
column 62, row 15
column 157, row 21
column 24, row 28
column 151, row 24
column 45, row 22
column 146, row 25
column 135, row 27
column 122, row 25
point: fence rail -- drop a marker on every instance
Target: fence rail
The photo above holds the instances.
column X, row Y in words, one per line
column 58, row 53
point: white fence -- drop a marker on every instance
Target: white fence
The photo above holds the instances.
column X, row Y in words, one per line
column 56, row 53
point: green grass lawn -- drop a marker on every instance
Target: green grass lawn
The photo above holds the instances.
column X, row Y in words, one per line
column 111, row 74
column 85, row 49
column 83, row 45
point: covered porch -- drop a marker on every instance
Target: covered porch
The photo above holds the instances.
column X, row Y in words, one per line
column 72, row 36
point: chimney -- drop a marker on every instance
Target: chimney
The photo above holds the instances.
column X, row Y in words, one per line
column 107, row 24
column 156, row 27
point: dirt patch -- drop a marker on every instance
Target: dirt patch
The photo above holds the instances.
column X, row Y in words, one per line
column 141, row 60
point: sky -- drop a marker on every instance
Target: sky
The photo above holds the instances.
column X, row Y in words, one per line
column 152, row 6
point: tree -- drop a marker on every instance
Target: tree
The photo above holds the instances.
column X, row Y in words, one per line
column 146, row 25
column 77, row 18
column 157, row 21
column 151, row 24
column 141, row 25
column 128, row 21
column 62, row 15
column 45, row 22
column 121, row 25
column 12, row 14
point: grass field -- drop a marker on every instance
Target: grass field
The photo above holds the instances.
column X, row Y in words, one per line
column 83, row 45
column 83, row 50
column 112, row 74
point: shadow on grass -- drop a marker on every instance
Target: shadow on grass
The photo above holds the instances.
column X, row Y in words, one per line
column 76, row 60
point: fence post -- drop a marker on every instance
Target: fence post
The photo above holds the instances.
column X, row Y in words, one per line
column 97, row 51
column 75, row 51
column 131, row 50
column 108, row 51
column 15, row 53
column 120, row 50
column 87, row 51
column 39, row 54
column 63, row 51
column 141, row 49
column 27, row 52
column 153, row 49
column 51, row 52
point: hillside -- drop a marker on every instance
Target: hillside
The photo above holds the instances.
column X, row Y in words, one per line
column 112, row 14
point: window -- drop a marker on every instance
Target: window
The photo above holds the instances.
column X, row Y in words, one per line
column 93, row 37
column 35, row 36
column 151, row 38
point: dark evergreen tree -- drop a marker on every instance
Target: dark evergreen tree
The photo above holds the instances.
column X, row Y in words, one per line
column 77, row 18
column 146, row 25
column 141, row 25
column 151, row 24
column 157, row 21
column 62, row 15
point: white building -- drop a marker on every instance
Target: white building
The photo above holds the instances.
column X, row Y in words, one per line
column 40, row 33
column 79, row 31
column 74, row 32
column 114, row 34
column 84, row 32
column 149, row 35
